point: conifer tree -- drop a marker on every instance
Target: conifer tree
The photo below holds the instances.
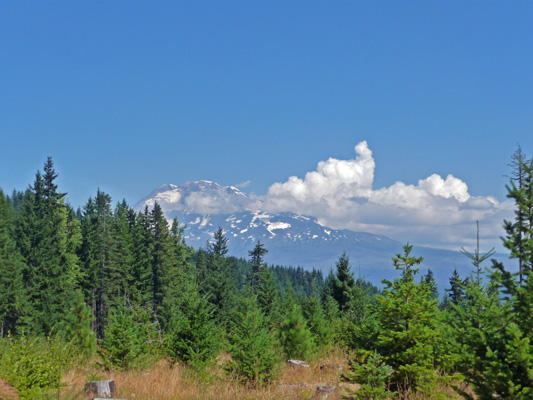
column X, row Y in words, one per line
column 220, row 283
column 519, row 238
column 13, row 294
column 320, row 326
column 141, row 278
column 295, row 336
column 252, row 346
column 163, row 257
column 343, row 283
column 192, row 336
column 429, row 280
column 262, row 281
column 457, row 292
column 122, row 256
column 102, row 277
column 51, row 269
column 408, row 329
column 125, row 343
column 78, row 330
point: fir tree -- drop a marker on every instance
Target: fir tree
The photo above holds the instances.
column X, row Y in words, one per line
column 125, row 343
column 51, row 269
column 254, row 358
column 220, row 282
column 408, row 330
column 192, row 335
column 141, row 277
column 343, row 283
column 102, row 278
column 429, row 280
column 163, row 257
column 457, row 292
column 295, row 336
column 13, row 294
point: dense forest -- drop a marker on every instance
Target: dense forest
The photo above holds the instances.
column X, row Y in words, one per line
column 109, row 283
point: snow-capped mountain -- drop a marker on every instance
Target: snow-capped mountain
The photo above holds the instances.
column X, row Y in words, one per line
column 290, row 239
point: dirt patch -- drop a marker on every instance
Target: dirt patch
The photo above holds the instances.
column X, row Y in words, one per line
column 7, row 392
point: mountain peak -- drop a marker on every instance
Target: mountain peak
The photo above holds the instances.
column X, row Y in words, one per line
column 203, row 197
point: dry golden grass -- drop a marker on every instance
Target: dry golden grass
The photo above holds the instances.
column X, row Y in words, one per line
column 160, row 382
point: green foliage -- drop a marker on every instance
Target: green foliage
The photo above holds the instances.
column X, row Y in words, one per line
column 34, row 366
column 322, row 328
column 407, row 330
column 125, row 343
column 252, row 346
column 218, row 281
column 295, row 337
column 372, row 374
column 192, row 336
column 47, row 237
column 343, row 283
column 14, row 296
column 78, row 330
column 494, row 336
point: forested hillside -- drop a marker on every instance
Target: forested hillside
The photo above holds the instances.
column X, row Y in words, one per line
column 111, row 284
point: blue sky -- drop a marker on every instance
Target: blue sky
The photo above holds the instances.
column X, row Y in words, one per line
column 127, row 96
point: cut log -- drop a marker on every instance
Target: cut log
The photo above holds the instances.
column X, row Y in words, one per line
column 101, row 389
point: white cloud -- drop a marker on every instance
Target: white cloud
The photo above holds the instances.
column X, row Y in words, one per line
column 218, row 201
column 436, row 211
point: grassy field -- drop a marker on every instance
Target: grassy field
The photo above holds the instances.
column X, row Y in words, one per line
column 160, row 382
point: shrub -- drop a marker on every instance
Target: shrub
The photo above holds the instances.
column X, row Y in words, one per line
column 34, row 366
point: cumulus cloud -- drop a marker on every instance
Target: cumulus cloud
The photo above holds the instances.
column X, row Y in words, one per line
column 437, row 211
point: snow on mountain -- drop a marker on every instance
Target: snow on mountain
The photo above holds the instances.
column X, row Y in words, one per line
column 291, row 239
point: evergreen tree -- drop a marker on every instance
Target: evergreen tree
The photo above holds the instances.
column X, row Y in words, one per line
column 220, row 282
column 262, row 281
column 519, row 238
column 320, row 326
column 515, row 231
column 457, row 292
column 429, row 280
column 78, row 330
column 141, row 277
column 252, row 346
column 408, row 329
column 476, row 257
column 343, row 283
column 163, row 262
column 192, row 335
column 13, row 294
column 125, row 343
column 102, row 277
column 51, row 268
column 257, row 256
column 494, row 337
column 295, row 336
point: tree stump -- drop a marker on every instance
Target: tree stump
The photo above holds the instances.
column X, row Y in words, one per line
column 326, row 392
column 101, row 389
